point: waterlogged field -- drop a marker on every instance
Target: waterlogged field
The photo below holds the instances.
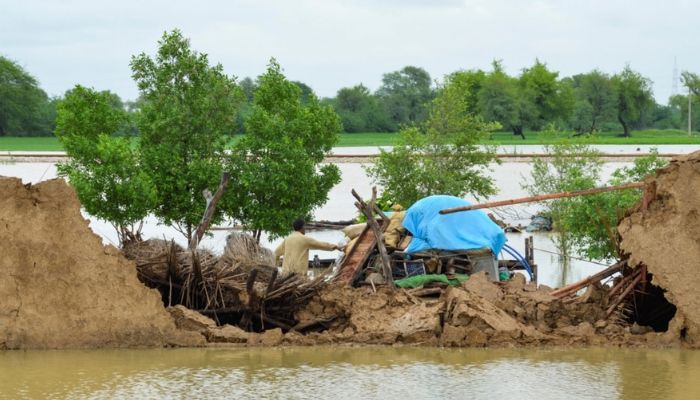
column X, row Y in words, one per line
column 653, row 137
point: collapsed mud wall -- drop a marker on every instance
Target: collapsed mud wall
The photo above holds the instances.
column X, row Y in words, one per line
column 666, row 238
column 61, row 288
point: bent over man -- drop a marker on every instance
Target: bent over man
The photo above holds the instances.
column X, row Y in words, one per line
column 295, row 250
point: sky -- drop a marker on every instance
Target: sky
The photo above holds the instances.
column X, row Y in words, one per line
column 330, row 44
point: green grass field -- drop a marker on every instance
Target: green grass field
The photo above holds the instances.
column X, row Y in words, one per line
column 387, row 139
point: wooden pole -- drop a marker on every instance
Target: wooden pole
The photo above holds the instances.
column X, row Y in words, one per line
column 209, row 210
column 541, row 197
column 563, row 291
column 368, row 209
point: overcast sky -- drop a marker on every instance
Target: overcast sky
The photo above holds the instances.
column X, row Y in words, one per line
column 330, row 44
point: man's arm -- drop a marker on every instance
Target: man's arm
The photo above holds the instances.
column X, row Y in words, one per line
column 314, row 244
column 279, row 252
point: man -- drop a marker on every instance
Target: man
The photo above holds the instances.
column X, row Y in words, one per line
column 295, row 249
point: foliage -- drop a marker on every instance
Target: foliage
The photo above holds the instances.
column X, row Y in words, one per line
column 104, row 169
column 572, row 164
column 405, row 94
column 277, row 162
column 586, row 224
column 595, row 101
column 25, row 109
column 634, row 97
column 592, row 220
column 444, row 158
column 500, row 100
column 360, row 111
column 547, row 100
column 188, row 111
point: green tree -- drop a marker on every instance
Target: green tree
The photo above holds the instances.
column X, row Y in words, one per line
column 679, row 102
column 469, row 84
column 572, row 164
column 188, row 112
column 405, row 94
column 442, row 158
column 104, row 170
column 501, row 100
column 278, row 162
column 547, row 99
column 634, row 97
column 25, row 109
column 360, row 111
column 595, row 101
column 592, row 220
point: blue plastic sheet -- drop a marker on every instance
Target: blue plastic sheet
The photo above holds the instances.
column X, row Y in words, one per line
column 465, row 230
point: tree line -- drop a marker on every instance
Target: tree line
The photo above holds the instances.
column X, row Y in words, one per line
column 536, row 97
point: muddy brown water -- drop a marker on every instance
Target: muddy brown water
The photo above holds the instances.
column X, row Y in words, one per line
column 351, row 373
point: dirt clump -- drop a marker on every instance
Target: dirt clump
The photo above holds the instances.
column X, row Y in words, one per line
column 62, row 288
column 665, row 236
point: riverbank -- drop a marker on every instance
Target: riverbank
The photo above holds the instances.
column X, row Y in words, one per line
column 363, row 139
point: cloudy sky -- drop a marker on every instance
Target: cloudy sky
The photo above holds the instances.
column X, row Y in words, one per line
column 329, row 44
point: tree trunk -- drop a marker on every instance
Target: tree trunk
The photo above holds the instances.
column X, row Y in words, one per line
column 518, row 131
column 625, row 126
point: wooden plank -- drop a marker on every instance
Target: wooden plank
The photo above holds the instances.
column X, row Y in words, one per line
column 357, row 257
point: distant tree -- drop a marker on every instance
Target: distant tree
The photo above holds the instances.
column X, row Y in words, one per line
column 405, row 94
column 105, row 170
column 306, row 91
column 634, row 96
column 188, row 111
column 360, row 111
column 278, row 162
column 500, row 100
column 469, row 84
column 25, row 109
column 691, row 81
column 445, row 157
column 248, row 87
column 679, row 103
column 548, row 99
column 595, row 100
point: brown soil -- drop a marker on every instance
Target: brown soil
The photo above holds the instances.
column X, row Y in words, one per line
column 666, row 238
column 61, row 288
column 477, row 313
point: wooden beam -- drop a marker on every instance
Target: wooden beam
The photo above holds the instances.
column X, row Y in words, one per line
column 542, row 197
column 209, row 210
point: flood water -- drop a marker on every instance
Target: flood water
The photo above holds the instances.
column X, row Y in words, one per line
column 508, row 178
column 351, row 373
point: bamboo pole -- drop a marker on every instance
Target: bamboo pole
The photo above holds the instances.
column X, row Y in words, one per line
column 624, row 294
column 541, row 197
column 574, row 287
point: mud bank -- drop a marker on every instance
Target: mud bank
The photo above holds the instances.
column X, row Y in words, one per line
column 61, row 288
column 666, row 238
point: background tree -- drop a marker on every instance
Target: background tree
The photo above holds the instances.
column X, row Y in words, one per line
column 25, row 109
column 277, row 162
column 546, row 99
column 500, row 100
column 444, row 158
column 595, row 101
column 634, row 97
column 360, row 111
column 469, row 84
column 405, row 94
column 189, row 110
column 104, row 169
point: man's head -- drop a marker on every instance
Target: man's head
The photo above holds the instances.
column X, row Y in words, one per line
column 298, row 225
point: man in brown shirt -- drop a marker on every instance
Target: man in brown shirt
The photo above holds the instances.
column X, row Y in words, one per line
column 295, row 250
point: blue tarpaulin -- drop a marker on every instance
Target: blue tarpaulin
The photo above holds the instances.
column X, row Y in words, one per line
column 465, row 230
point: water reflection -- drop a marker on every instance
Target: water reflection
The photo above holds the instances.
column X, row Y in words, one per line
column 351, row 372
